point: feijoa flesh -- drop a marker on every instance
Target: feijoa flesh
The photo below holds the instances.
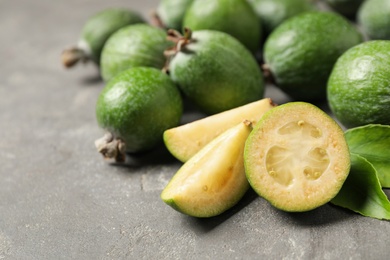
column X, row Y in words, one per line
column 214, row 70
column 185, row 141
column 170, row 13
column 358, row 88
column 297, row 157
column 234, row 17
column 135, row 108
column 274, row 12
column 138, row 45
column 213, row 180
column 95, row 33
column 301, row 52
column 374, row 18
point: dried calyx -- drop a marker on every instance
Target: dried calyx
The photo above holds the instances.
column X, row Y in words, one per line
column 180, row 42
column 111, row 147
column 72, row 56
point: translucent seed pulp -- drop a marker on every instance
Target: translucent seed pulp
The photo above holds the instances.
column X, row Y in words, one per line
column 298, row 155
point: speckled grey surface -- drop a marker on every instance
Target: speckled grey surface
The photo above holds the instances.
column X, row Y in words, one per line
column 60, row 200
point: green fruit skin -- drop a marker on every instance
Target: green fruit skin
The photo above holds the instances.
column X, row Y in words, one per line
column 171, row 12
column 217, row 72
column 273, row 12
column 374, row 17
column 234, row 17
column 139, row 45
column 137, row 106
column 359, row 86
column 347, row 8
column 102, row 25
column 301, row 52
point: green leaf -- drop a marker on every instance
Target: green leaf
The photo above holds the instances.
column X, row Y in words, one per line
column 373, row 143
column 362, row 191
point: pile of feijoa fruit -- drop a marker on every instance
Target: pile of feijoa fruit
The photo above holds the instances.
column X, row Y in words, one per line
column 222, row 56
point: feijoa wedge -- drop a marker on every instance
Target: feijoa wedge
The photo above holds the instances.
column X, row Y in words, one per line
column 95, row 33
column 186, row 140
column 297, row 157
column 213, row 180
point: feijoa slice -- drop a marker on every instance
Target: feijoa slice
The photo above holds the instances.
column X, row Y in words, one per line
column 135, row 108
column 95, row 33
column 213, row 180
column 185, row 141
column 214, row 70
column 138, row 45
column 297, row 157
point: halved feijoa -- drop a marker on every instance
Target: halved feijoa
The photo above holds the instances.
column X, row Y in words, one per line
column 213, row 180
column 186, row 140
column 297, row 157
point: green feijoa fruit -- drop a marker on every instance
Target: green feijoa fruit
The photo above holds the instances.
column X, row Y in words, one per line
column 273, row 12
column 348, row 8
column 95, row 33
column 374, row 18
column 301, row 52
column 171, row 13
column 215, row 71
column 297, row 157
column 358, row 88
column 235, row 17
column 138, row 45
column 135, row 108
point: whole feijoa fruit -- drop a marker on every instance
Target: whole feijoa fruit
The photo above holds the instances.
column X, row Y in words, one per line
column 297, row 157
column 301, row 52
column 170, row 13
column 274, row 12
column 95, row 33
column 234, row 17
column 214, row 70
column 374, row 18
column 348, row 8
column 138, row 45
column 135, row 108
column 359, row 86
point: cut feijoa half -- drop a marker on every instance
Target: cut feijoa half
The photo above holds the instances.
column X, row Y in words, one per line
column 213, row 180
column 186, row 140
column 297, row 157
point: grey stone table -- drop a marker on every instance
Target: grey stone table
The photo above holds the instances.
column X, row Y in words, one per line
column 60, row 200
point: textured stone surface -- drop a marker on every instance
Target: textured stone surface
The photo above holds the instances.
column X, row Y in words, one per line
column 60, row 200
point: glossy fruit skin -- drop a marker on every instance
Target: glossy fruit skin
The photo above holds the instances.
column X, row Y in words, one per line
column 139, row 45
column 374, row 17
column 102, row 25
column 273, row 12
column 358, row 88
column 137, row 106
column 171, row 13
column 347, row 8
column 217, row 72
column 302, row 51
column 235, row 17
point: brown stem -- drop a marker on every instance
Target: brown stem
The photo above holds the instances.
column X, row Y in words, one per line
column 180, row 42
column 156, row 21
column 73, row 55
column 111, row 148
